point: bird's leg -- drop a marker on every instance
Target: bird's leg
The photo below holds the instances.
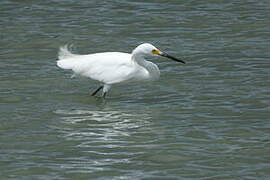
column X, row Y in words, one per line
column 96, row 91
column 105, row 90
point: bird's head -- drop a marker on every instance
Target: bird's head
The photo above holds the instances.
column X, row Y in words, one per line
column 147, row 49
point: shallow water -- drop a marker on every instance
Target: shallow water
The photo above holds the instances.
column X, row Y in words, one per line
column 207, row 119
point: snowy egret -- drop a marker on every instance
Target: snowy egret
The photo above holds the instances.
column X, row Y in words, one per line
column 113, row 67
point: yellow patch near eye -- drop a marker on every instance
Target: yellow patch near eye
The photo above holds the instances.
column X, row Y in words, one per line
column 155, row 51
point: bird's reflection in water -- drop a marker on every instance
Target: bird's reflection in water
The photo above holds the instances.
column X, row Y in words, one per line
column 98, row 140
column 101, row 125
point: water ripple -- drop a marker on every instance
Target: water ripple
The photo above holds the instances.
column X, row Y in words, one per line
column 207, row 119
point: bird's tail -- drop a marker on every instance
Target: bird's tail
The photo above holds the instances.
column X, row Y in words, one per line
column 65, row 53
column 65, row 57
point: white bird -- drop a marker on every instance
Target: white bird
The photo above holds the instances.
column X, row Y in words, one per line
column 113, row 67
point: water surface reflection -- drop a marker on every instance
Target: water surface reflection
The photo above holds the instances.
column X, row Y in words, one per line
column 103, row 139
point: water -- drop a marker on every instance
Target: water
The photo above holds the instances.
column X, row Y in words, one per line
column 207, row 119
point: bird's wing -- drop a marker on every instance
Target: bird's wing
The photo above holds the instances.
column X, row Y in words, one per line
column 109, row 68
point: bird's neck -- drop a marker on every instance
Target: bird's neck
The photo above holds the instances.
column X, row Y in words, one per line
column 149, row 66
column 138, row 58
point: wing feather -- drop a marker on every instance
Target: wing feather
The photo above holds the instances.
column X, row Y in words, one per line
column 109, row 68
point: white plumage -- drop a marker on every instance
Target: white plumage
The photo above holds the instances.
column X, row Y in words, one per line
column 113, row 67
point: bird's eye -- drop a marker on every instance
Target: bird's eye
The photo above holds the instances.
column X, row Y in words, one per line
column 154, row 51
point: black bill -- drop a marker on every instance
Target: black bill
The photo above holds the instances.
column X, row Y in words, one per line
column 171, row 57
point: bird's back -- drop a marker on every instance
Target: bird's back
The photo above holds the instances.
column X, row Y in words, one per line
column 107, row 67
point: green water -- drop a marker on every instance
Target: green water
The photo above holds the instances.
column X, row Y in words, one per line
column 207, row 119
